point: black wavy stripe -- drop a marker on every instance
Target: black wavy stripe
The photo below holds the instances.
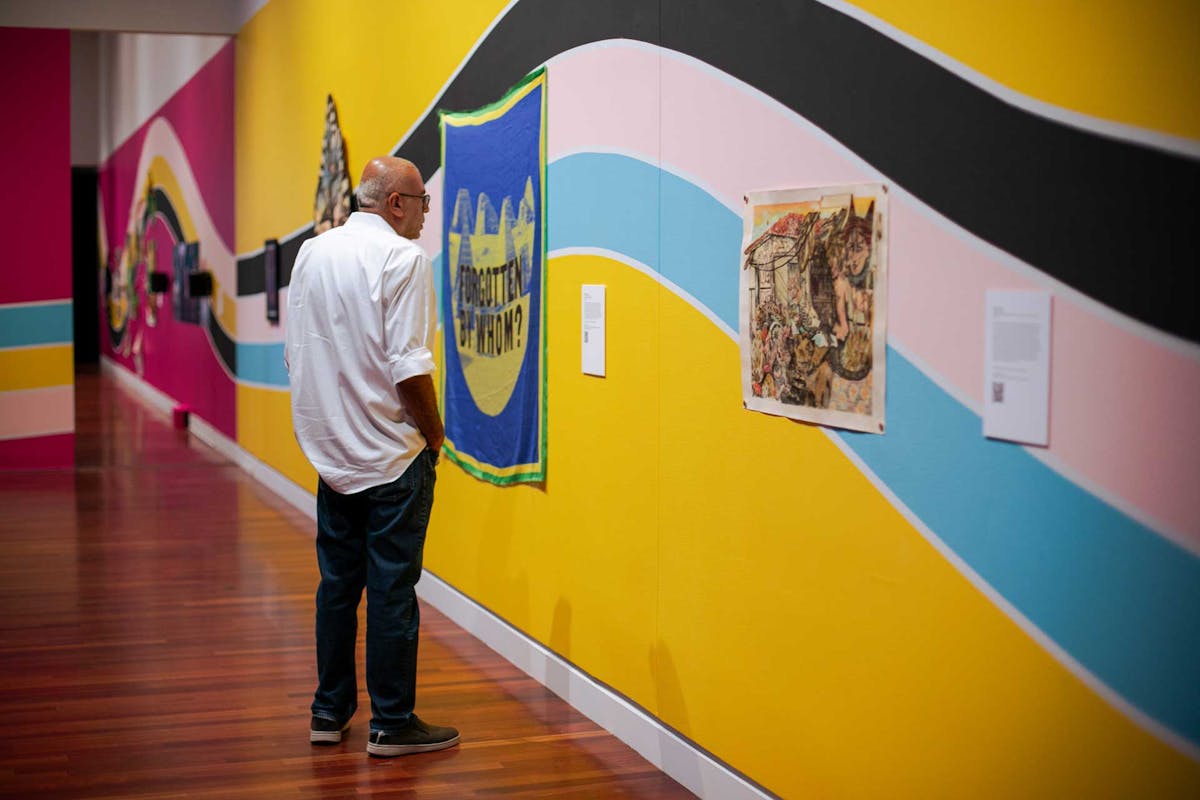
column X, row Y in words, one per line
column 164, row 206
column 226, row 348
column 533, row 32
column 530, row 34
column 251, row 279
column 1106, row 217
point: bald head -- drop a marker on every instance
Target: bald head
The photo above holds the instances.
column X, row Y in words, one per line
column 392, row 188
column 384, row 175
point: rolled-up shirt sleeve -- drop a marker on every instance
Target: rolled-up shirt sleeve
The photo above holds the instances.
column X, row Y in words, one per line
column 410, row 315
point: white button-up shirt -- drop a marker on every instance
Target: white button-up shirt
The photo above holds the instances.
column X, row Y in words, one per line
column 360, row 319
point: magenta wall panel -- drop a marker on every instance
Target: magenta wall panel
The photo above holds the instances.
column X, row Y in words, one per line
column 38, row 452
column 35, row 198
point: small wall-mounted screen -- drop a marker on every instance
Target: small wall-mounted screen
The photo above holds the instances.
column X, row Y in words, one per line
column 186, row 261
column 271, row 268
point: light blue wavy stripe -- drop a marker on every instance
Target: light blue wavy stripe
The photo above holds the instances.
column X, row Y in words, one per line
column 1117, row 597
column 29, row 326
column 437, row 276
column 1120, row 599
column 262, row 363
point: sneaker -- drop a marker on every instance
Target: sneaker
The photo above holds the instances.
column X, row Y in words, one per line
column 326, row 731
column 417, row 737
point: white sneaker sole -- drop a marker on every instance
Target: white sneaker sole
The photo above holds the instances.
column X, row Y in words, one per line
column 391, row 750
column 327, row 737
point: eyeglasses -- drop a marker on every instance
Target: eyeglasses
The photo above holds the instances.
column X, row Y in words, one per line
column 424, row 198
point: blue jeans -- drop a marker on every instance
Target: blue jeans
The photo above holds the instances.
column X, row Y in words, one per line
column 373, row 538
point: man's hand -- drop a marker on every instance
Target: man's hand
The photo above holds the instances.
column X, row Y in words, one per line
column 420, row 398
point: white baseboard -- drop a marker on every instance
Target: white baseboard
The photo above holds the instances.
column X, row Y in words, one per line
column 149, row 395
column 696, row 770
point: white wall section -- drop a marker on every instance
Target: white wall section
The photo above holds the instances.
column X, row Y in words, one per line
column 85, row 98
column 139, row 72
column 150, row 16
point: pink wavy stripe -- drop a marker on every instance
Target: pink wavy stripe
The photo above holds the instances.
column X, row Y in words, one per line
column 1123, row 422
column 38, row 452
column 37, row 412
column 253, row 326
column 431, row 232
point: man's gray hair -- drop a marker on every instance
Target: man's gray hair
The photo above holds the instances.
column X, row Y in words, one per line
column 373, row 191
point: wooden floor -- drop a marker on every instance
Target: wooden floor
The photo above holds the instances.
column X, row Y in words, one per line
column 156, row 610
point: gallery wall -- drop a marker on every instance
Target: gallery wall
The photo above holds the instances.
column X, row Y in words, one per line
column 923, row 612
column 168, row 179
column 37, row 381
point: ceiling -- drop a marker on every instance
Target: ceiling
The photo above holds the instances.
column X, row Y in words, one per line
column 223, row 17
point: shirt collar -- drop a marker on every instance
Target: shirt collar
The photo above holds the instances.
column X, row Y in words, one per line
column 367, row 219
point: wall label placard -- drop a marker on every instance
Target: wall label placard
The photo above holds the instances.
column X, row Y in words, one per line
column 592, row 335
column 1016, row 392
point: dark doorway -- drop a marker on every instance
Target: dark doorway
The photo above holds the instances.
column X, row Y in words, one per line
column 85, row 265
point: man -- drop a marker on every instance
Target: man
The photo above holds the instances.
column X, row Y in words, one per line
column 359, row 334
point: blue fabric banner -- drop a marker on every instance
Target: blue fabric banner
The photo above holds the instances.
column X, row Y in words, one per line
column 493, row 278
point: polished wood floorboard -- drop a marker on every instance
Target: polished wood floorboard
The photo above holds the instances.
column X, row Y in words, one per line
column 156, row 610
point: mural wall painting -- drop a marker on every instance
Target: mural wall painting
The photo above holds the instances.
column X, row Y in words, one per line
column 331, row 206
column 812, row 304
column 131, row 303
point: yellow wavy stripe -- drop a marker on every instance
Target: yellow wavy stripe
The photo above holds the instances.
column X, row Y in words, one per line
column 291, row 55
column 671, row 527
column 1133, row 63
column 37, row 367
column 162, row 176
column 264, row 427
column 567, row 564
